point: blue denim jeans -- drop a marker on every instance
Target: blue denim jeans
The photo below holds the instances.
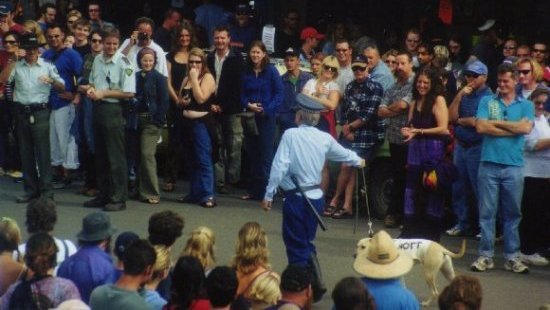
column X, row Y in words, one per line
column 202, row 173
column 500, row 186
column 466, row 161
column 263, row 147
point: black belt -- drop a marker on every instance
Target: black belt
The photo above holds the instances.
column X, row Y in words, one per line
column 32, row 107
column 468, row 144
column 304, row 188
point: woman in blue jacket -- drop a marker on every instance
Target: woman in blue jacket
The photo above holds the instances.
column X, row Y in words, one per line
column 262, row 93
column 152, row 104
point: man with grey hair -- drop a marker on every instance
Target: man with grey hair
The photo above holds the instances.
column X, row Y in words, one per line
column 302, row 154
column 379, row 72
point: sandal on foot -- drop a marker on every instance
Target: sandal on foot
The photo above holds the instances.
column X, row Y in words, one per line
column 330, row 210
column 152, row 200
column 342, row 214
column 246, row 197
column 209, row 203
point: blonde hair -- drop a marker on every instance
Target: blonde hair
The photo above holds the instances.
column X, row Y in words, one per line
column 33, row 27
column 12, row 234
column 201, row 245
column 535, row 67
column 73, row 13
column 162, row 263
column 251, row 248
column 197, row 52
column 330, row 61
column 265, row 290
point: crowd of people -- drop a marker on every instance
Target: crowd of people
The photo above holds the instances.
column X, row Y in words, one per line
column 50, row 273
column 465, row 127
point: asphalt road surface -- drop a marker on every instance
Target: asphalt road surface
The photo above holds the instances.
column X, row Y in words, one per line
column 501, row 289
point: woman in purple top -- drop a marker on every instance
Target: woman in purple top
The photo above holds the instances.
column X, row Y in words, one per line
column 428, row 121
column 38, row 289
column 262, row 93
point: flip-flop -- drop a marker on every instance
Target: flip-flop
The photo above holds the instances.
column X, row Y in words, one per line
column 342, row 214
column 330, row 210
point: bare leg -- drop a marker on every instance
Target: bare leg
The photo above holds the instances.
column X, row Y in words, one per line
column 343, row 177
column 350, row 188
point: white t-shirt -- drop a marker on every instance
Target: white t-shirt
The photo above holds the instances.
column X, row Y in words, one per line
column 310, row 87
column 65, row 248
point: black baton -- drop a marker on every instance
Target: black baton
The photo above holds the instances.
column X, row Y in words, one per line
column 311, row 207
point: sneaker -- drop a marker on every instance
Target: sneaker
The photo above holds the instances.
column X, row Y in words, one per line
column 482, row 263
column 515, row 265
column 454, row 232
column 534, row 259
column 15, row 174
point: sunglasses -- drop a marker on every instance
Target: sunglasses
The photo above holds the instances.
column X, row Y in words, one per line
column 358, row 68
column 96, row 41
column 536, row 50
column 331, row 69
column 10, row 42
column 524, row 72
column 195, row 62
column 471, row 75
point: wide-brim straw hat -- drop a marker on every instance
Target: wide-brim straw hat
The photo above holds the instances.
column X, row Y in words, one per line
column 381, row 259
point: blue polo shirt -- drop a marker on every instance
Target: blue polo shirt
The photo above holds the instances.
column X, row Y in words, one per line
column 69, row 65
column 390, row 294
column 504, row 150
column 468, row 108
column 88, row 268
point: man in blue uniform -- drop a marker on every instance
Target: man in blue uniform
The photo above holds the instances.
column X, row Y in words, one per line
column 302, row 153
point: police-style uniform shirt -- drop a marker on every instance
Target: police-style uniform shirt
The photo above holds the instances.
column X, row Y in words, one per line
column 28, row 88
column 115, row 73
column 302, row 153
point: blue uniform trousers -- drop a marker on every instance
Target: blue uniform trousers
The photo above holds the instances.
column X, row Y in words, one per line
column 299, row 228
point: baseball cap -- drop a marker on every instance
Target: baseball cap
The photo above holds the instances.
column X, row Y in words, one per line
column 5, row 7
column 291, row 52
column 487, row 25
column 123, row 241
column 476, row 67
column 359, row 61
column 310, row 32
column 242, row 8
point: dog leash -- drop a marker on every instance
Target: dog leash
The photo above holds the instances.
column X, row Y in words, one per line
column 364, row 192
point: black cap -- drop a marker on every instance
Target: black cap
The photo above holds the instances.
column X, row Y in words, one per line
column 28, row 41
column 123, row 241
column 242, row 8
column 295, row 278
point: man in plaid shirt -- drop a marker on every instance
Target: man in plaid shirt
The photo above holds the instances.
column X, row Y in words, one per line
column 362, row 132
column 394, row 108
